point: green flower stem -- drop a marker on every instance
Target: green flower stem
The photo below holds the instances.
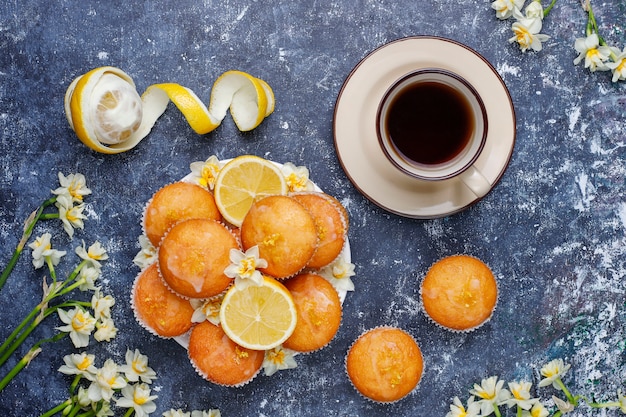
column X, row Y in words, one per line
column 30, row 355
column 546, row 11
column 592, row 25
column 519, row 411
column 572, row 400
column 604, row 405
column 28, row 230
column 129, row 412
column 496, row 411
column 33, row 319
column 557, row 414
column 57, row 409
column 22, row 337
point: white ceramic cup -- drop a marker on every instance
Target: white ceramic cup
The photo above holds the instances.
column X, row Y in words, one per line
column 425, row 87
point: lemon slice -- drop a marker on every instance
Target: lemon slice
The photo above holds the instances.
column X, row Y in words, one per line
column 243, row 180
column 258, row 317
column 108, row 115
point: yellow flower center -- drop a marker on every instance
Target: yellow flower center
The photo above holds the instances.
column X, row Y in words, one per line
column 295, row 182
column 247, row 267
column 276, row 356
column 79, row 322
column 84, row 364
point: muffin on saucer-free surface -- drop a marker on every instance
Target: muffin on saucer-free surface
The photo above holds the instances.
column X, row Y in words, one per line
column 384, row 364
column 459, row 292
column 173, row 203
column 220, row 360
column 319, row 312
column 157, row 308
column 193, row 255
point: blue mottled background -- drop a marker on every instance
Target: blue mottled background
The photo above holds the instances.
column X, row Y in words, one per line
column 553, row 229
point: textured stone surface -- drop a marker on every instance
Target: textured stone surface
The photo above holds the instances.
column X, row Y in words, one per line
column 553, row 229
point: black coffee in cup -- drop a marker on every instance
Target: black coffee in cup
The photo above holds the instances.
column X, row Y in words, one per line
column 429, row 122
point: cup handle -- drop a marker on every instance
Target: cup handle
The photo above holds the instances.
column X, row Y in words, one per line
column 476, row 181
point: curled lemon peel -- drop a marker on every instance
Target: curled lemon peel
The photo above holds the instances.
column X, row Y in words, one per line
column 106, row 113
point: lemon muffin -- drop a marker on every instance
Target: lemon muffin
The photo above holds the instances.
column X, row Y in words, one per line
column 284, row 231
column 220, row 360
column 459, row 293
column 193, row 255
column 330, row 223
column 319, row 312
column 173, row 203
column 156, row 308
column 384, row 364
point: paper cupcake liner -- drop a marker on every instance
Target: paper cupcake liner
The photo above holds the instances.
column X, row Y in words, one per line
column 450, row 329
column 140, row 319
column 365, row 396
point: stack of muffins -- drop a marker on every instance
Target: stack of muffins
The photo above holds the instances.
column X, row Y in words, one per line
column 297, row 234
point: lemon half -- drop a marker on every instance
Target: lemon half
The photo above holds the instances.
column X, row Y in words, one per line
column 258, row 317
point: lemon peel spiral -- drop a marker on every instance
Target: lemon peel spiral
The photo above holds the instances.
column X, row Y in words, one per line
column 107, row 114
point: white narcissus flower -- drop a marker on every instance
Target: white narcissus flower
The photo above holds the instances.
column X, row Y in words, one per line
column 520, row 395
column 137, row 368
column 553, row 371
column 88, row 275
column 101, row 304
column 534, row 10
column 42, row 251
column 79, row 364
column 147, row 255
column 491, row 394
column 107, row 380
column 537, row 410
column 79, row 325
column 618, row 66
column 71, row 215
column 505, row 8
column 595, row 56
column 206, row 172
column 278, row 359
column 458, row 410
column 208, row 413
column 94, row 254
column 74, row 186
column 106, row 330
column 244, row 266
column 297, row 177
column 138, row 398
column 526, row 34
column 206, row 310
column 339, row 273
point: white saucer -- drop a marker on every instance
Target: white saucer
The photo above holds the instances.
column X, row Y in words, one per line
column 354, row 126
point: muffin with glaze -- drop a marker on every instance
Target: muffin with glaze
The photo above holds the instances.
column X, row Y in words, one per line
column 220, row 360
column 319, row 312
column 459, row 293
column 284, row 231
column 331, row 224
column 384, row 364
column 193, row 255
column 158, row 309
column 176, row 202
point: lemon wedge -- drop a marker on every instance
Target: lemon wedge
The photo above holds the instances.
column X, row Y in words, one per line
column 107, row 114
column 243, row 180
column 258, row 317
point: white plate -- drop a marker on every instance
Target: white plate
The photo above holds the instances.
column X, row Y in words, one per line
column 354, row 126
